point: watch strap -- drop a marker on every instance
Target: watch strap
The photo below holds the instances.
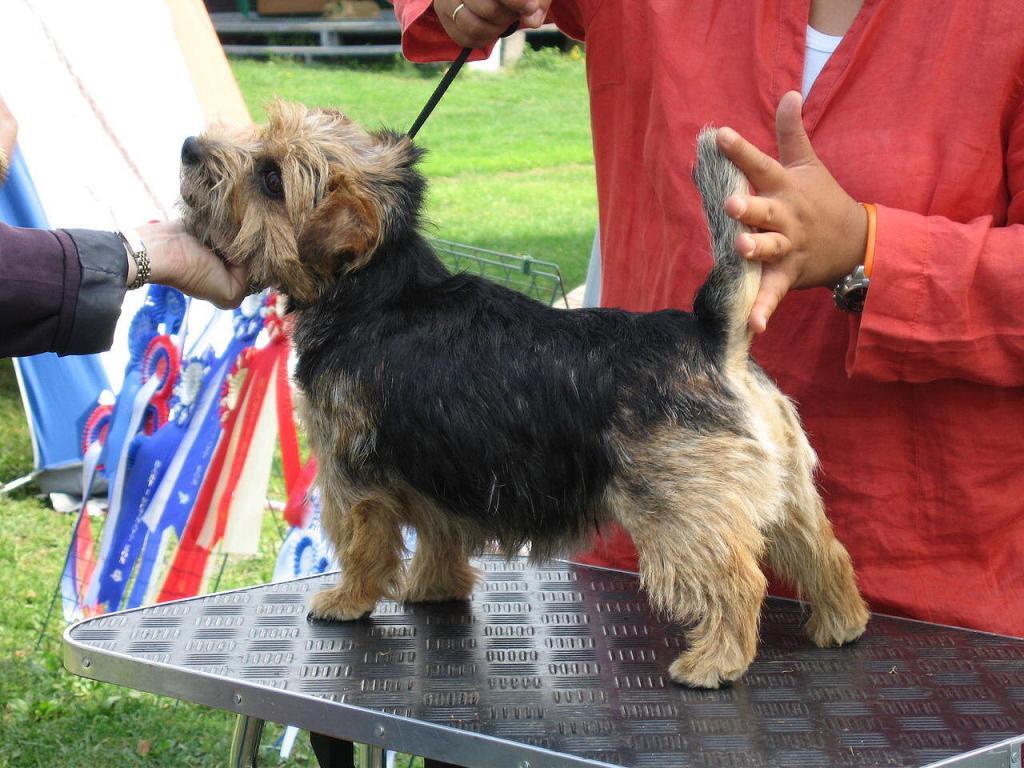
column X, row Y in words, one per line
column 137, row 253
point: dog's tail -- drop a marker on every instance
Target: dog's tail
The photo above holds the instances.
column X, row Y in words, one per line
column 723, row 303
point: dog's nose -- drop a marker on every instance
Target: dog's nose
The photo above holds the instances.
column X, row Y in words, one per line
column 191, row 151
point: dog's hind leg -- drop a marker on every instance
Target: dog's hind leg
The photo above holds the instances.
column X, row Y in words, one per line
column 440, row 569
column 699, row 565
column 368, row 543
column 802, row 549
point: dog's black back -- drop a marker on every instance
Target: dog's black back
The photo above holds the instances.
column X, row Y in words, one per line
column 499, row 407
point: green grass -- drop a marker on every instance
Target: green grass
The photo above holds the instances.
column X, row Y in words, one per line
column 510, row 168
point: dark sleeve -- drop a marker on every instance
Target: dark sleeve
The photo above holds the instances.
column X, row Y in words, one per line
column 104, row 266
column 59, row 291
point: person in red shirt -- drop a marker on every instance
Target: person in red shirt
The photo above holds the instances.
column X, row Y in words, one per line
column 916, row 404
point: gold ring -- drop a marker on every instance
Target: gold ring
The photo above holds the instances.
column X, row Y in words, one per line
column 458, row 8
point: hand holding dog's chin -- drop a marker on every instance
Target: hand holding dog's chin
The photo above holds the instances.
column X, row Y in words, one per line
column 481, row 22
column 810, row 231
column 180, row 261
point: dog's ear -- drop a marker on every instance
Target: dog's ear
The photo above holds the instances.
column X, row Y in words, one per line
column 402, row 151
column 342, row 232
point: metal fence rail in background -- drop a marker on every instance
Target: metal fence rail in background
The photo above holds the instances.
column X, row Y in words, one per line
column 541, row 280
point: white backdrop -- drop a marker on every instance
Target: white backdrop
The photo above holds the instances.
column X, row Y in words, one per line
column 104, row 100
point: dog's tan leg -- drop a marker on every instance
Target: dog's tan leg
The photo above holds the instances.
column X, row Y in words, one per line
column 368, row 542
column 700, row 566
column 803, row 549
column 440, row 569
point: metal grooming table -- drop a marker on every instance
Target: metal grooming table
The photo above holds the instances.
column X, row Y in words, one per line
column 564, row 665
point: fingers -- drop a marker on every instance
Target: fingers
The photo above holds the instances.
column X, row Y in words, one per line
column 524, row 7
column 478, row 23
column 769, row 247
column 775, row 283
column 794, row 144
column 224, row 285
column 209, row 278
column 475, row 23
column 492, row 13
column 235, row 287
column 535, row 19
column 764, row 172
column 8, row 129
column 761, row 212
column 180, row 261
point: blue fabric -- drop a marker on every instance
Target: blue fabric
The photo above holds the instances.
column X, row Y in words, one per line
column 19, row 203
column 147, row 457
column 162, row 313
column 147, row 538
column 60, row 392
column 181, row 499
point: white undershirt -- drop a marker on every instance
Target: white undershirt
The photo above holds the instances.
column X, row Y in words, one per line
column 819, row 48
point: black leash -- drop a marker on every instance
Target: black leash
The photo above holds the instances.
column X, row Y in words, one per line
column 453, row 70
column 435, row 97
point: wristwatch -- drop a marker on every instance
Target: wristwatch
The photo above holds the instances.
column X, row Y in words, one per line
column 136, row 251
column 852, row 291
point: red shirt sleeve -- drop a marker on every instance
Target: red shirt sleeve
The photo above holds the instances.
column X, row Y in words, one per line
column 946, row 297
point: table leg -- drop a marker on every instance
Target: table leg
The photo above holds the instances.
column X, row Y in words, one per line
column 331, row 752
column 245, row 744
column 371, row 757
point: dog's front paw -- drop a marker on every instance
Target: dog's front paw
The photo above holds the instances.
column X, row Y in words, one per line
column 704, row 670
column 339, row 605
column 421, row 593
column 440, row 584
column 828, row 628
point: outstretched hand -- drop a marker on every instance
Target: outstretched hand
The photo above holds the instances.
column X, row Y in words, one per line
column 8, row 130
column 480, row 22
column 179, row 260
column 810, row 231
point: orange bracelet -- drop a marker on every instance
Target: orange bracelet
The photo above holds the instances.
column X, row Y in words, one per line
column 869, row 250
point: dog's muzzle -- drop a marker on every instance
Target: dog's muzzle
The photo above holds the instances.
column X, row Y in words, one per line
column 191, row 152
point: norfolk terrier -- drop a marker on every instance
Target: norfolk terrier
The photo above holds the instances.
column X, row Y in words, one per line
column 481, row 417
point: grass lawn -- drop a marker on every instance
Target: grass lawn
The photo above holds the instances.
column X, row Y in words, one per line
column 510, row 167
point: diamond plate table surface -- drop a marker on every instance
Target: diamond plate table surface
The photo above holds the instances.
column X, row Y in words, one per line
column 565, row 665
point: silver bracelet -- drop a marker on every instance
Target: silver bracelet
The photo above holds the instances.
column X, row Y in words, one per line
column 137, row 252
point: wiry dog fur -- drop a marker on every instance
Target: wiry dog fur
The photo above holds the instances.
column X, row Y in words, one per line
column 479, row 416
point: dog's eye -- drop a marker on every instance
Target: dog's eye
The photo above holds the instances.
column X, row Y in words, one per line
column 271, row 183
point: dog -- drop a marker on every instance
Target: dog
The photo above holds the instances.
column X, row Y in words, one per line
column 480, row 417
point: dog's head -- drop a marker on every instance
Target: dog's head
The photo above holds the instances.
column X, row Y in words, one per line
column 301, row 200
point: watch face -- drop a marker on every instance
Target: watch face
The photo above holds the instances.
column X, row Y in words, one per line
column 851, row 293
column 855, row 299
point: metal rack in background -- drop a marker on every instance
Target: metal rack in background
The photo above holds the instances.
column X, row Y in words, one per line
column 540, row 280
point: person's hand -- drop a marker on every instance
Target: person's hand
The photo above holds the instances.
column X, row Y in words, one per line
column 481, row 22
column 8, row 130
column 811, row 233
column 179, row 260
